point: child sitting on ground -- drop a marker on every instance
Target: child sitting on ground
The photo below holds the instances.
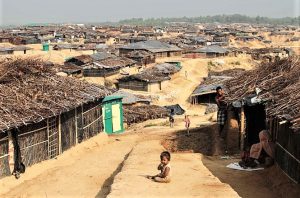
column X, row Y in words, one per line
column 165, row 169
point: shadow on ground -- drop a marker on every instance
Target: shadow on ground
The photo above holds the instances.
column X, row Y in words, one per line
column 205, row 140
column 201, row 140
column 246, row 184
column 106, row 187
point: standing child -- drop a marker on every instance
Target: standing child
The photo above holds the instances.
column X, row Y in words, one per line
column 187, row 124
column 171, row 118
column 165, row 168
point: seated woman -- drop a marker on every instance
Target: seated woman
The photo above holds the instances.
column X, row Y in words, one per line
column 261, row 151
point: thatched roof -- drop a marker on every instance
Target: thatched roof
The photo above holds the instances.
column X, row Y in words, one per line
column 279, row 83
column 214, row 80
column 158, row 73
column 31, row 92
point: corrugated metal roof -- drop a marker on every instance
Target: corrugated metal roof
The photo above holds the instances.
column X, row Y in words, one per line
column 151, row 45
column 212, row 49
column 129, row 98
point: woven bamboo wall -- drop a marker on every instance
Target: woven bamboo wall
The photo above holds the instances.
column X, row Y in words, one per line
column 92, row 123
column 4, row 166
column 33, row 142
column 68, row 130
column 287, row 150
column 39, row 141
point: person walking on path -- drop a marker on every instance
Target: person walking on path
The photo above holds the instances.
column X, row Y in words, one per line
column 171, row 118
column 187, row 124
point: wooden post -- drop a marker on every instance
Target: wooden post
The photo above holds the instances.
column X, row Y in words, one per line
column 11, row 151
column 49, row 153
column 76, row 127
column 242, row 145
column 59, row 134
column 82, row 124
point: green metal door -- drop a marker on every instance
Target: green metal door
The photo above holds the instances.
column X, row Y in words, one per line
column 108, row 118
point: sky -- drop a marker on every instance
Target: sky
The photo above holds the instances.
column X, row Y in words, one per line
column 60, row 11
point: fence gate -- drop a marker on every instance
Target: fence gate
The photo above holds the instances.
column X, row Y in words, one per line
column 52, row 137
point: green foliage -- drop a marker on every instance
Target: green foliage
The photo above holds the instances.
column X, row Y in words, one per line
column 235, row 18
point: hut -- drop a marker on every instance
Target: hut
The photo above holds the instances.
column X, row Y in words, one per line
column 151, row 80
column 5, row 38
column 143, row 82
column 141, row 57
column 101, row 64
column 205, row 93
column 21, row 50
column 6, row 51
column 268, row 98
column 211, row 51
column 42, row 114
column 157, row 48
column 65, row 47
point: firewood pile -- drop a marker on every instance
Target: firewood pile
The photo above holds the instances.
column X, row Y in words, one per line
column 137, row 114
column 31, row 92
column 279, row 83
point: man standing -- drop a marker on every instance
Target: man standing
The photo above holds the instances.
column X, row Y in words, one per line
column 222, row 109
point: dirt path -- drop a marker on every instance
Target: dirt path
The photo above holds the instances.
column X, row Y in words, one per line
column 86, row 170
column 190, row 177
column 118, row 164
column 246, row 184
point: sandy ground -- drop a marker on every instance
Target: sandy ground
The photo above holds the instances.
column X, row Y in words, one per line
column 190, row 178
column 116, row 166
column 83, row 171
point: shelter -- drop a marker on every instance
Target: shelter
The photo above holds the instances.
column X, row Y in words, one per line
column 6, row 51
column 211, row 51
column 268, row 97
column 21, row 50
column 151, row 80
column 100, row 64
column 159, row 49
column 205, row 93
column 47, row 114
column 141, row 57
